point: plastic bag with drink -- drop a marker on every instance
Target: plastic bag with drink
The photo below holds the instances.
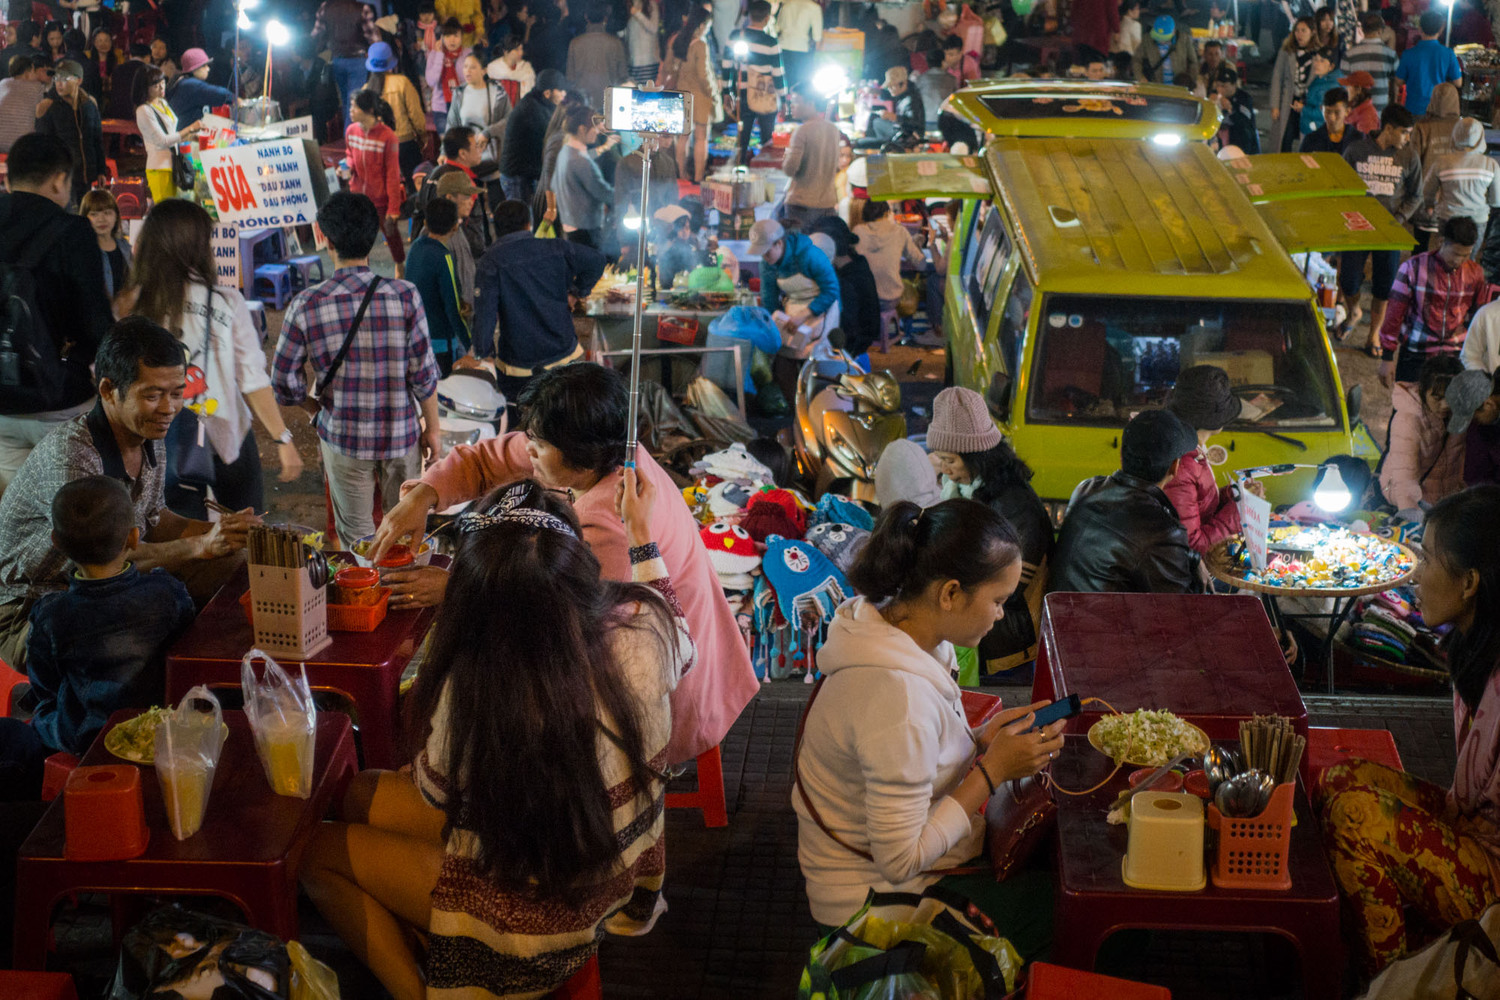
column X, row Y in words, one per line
column 284, row 720
column 188, row 742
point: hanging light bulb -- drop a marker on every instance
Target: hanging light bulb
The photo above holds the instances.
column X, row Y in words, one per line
column 633, row 220
column 277, row 33
column 830, row 79
column 741, row 48
column 243, row 23
column 1330, row 493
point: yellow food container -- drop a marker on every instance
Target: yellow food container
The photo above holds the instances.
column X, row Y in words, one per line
column 1165, row 850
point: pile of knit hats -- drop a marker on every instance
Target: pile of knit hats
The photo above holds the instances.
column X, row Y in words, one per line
column 1389, row 626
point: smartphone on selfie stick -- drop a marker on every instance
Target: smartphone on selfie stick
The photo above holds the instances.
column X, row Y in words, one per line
column 658, row 112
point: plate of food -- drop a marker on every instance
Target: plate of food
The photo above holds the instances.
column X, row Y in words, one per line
column 135, row 739
column 1146, row 737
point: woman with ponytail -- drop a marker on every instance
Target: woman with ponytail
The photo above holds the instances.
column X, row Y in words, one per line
column 1395, row 840
column 891, row 782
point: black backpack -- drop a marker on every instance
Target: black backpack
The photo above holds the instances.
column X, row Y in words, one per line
column 33, row 372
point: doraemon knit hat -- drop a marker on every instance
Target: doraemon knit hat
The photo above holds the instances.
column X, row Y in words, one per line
column 1163, row 29
column 841, row 543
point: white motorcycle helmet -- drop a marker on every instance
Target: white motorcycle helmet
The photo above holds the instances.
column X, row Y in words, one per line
column 470, row 394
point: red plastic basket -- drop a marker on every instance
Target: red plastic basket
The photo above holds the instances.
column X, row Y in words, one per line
column 1252, row 853
column 344, row 617
column 677, row 330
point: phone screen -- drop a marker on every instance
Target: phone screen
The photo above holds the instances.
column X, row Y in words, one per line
column 664, row 112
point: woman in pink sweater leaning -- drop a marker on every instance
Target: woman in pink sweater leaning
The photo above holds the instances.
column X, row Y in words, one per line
column 573, row 439
column 1204, row 400
column 1422, row 462
column 374, row 154
column 1397, row 842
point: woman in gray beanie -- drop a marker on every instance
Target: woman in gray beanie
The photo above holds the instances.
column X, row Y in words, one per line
column 976, row 462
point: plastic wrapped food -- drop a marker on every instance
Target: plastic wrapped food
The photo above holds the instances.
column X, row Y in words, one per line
column 188, row 742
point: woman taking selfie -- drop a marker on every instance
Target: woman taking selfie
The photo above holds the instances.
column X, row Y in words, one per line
column 1396, row 841
column 510, row 877
column 891, row 782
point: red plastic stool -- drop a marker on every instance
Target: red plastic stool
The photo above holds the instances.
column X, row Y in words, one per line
column 1053, row 982
column 55, row 771
column 1327, row 747
column 10, row 679
column 710, row 793
column 36, row 986
column 584, row 985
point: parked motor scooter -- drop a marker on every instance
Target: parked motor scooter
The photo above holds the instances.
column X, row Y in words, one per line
column 845, row 418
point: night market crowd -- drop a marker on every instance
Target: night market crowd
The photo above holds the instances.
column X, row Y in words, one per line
column 529, row 822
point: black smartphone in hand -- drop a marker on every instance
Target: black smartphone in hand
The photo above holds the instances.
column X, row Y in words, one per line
column 1062, row 708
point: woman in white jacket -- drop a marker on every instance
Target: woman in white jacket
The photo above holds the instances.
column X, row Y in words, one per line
column 895, row 776
column 159, row 131
column 174, row 284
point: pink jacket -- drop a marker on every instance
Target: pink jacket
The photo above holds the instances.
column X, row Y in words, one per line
column 711, row 696
column 1206, row 509
column 1474, row 799
column 1422, row 460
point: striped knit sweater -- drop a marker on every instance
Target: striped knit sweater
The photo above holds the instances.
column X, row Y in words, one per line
column 764, row 55
column 485, row 942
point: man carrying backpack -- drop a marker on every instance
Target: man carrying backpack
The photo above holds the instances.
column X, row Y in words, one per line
column 751, row 69
column 50, row 262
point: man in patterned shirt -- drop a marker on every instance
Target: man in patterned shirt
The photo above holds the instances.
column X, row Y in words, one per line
column 141, row 374
column 367, row 407
column 1432, row 300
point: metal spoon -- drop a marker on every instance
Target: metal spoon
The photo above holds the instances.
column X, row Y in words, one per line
column 1219, row 765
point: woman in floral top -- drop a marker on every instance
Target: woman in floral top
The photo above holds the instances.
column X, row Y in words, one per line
column 533, row 813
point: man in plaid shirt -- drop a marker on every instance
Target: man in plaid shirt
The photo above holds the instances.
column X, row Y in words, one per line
column 1432, row 299
column 368, row 428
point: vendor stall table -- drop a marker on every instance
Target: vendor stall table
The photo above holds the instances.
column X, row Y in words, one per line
column 364, row 667
column 247, row 851
column 1224, row 568
column 1093, row 900
column 1212, row 659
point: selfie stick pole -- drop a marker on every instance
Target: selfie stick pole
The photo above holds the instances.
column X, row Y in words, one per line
column 640, row 303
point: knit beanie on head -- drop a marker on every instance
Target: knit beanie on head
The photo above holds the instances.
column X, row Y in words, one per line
column 961, row 423
column 904, row 472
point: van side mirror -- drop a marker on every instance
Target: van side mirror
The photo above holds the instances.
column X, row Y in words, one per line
column 998, row 396
column 1355, row 402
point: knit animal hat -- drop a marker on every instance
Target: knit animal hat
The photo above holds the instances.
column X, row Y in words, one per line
column 775, row 512
column 832, row 507
column 802, row 575
column 733, row 554
column 841, row 543
column 726, row 499
column 961, row 423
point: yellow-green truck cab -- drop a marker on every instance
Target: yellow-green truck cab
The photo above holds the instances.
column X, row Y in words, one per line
column 1099, row 268
column 1085, row 109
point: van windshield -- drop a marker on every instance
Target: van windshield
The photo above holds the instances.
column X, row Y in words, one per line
column 1100, row 360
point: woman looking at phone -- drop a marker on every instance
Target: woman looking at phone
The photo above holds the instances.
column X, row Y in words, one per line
column 888, row 765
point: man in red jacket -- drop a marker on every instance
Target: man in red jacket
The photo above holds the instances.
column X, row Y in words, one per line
column 1095, row 23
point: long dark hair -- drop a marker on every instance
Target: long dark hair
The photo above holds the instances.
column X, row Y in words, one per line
column 174, row 250
column 684, row 38
column 958, row 539
column 1466, row 530
column 995, row 470
column 523, row 646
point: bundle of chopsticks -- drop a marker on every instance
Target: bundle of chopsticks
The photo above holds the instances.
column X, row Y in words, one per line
column 276, row 547
column 1268, row 743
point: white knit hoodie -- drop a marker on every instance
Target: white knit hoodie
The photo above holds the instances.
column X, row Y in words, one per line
column 885, row 743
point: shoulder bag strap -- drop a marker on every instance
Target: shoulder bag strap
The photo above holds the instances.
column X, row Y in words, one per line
column 797, row 779
column 338, row 359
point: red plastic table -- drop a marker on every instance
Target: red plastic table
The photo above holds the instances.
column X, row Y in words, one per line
column 1213, row 659
column 1093, row 900
column 364, row 667
column 247, row 851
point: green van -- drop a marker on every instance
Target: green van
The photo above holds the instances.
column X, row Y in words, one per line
column 1089, row 271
